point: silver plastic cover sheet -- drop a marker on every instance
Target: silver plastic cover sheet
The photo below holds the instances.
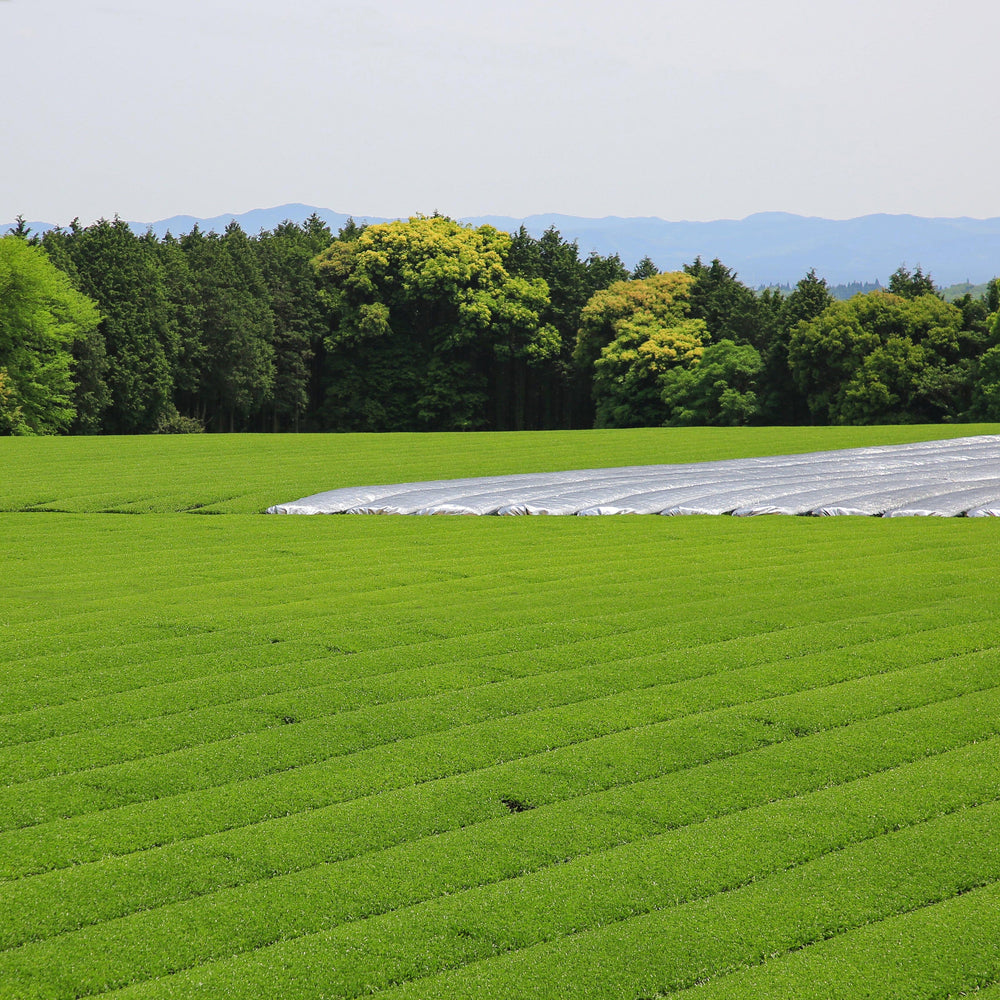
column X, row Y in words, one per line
column 950, row 478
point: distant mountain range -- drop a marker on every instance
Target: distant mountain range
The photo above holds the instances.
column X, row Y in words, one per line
column 767, row 248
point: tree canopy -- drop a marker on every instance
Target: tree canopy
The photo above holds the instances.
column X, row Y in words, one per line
column 881, row 358
column 41, row 318
column 428, row 324
column 123, row 273
column 720, row 389
column 634, row 333
column 435, row 312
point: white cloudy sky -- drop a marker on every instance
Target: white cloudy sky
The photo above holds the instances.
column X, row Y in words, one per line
column 683, row 109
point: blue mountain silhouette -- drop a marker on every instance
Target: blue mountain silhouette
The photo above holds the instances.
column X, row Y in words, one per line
column 766, row 248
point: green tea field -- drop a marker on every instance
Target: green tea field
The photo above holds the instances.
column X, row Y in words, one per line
column 292, row 758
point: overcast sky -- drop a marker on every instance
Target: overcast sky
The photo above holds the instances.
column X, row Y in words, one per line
column 682, row 109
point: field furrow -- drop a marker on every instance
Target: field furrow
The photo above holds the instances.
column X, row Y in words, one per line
column 940, row 951
column 368, row 762
column 453, row 693
column 548, row 934
column 245, row 824
column 798, row 825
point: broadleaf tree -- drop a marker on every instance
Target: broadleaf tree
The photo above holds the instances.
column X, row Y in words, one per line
column 426, row 318
column 41, row 317
column 631, row 335
column 720, row 389
column 881, row 358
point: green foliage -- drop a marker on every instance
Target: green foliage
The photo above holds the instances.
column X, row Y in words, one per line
column 644, row 269
column 975, row 323
column 605, row 271
column 810, row 297
column 300, row 318
column 10, row 413
column 186, row 324
column 986, row 394
column 634, row 333
column 236, row 364
column 730, row 310
column 780, row 400
column 434, row 310
column 557, row 393
column 720, row 389
column 881, row 358
column 630, row 373
column 992, row 297
column 428, row 324
column 222, row 330
column 91, row 396
column 173, row 422
column 42, row 317
column 122, row 273
column 911, row 284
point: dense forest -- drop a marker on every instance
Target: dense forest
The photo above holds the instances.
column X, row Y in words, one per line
column 432, row 325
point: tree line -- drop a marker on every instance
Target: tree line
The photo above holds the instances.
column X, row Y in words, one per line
column 428, row 324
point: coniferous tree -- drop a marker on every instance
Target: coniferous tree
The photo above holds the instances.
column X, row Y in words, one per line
column 911, row 284
column 729, row 308
column 300, row 317
column 186, row 326
column 992, row 297
column 558, row 394
column 602, row 272
column 121, row 272
column 782, row 400
column 91, row 396
column 644, row 269
column 236, row 370
column 239, row 333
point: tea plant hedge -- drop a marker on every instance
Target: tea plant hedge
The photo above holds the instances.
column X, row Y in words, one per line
column 256, row 757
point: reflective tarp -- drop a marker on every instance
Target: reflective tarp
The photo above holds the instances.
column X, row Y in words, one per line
column 949, row 478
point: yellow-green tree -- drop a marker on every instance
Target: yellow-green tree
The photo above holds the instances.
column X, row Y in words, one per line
column 429, row 324
column 41, row 316
column 632, row 334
